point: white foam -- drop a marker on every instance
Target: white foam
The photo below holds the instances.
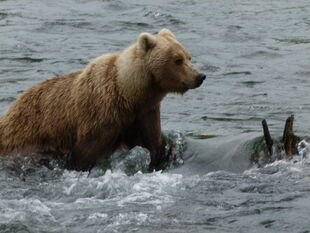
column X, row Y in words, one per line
column 68, row 190
column 98, row 216
column 19, row 209
column 127, row 218
column 304, row 149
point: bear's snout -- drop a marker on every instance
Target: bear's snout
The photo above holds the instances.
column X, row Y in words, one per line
column 199, row 79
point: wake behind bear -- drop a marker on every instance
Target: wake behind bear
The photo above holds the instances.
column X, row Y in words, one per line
column 113, row 101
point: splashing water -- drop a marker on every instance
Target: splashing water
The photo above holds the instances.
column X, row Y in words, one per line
column 304, row 149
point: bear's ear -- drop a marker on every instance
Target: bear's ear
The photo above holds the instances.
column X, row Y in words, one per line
column 166, row 32
column 146, row 41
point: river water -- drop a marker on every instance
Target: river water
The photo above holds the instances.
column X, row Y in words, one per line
column 256, row 55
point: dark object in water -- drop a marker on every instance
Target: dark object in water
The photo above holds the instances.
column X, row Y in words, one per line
column 288, row 139
column 287, row 146
column 268, row 139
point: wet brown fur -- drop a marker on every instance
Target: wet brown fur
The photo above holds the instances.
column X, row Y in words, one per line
column 115, row 100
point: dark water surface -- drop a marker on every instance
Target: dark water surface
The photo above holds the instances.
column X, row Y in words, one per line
column 257, row 58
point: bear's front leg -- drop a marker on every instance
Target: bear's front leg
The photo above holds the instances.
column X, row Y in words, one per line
column 91, row 148
column 149, row 135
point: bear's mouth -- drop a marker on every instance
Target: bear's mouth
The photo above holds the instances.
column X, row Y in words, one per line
column 198, row 84
column 185, row 87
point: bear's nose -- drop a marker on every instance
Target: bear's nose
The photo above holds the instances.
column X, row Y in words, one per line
column 200, row 78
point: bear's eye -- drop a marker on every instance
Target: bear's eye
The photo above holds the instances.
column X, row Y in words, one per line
column 179, row 61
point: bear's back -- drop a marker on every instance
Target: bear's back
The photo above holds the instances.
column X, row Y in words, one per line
column 35, row 115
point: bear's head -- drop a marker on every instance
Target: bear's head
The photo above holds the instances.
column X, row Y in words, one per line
column 168, row 62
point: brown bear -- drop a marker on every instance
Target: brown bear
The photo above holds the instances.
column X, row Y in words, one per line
column 113, row 101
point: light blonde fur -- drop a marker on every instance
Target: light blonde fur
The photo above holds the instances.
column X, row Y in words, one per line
column 93, row 108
